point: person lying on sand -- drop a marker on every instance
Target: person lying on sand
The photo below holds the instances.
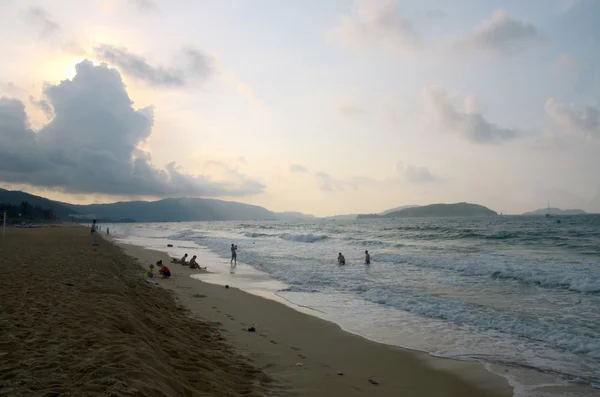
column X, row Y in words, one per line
column 182, row 260
column 163, row 270
column 341, row 259
column 194, row 264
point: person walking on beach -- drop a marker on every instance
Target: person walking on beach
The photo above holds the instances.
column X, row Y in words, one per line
column 233, row 254
column 93, row 232
column 367, row 258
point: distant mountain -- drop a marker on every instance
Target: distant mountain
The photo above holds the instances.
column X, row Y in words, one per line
column 555, row 211
column 167, row 210
column 15, row 197
column 343, row 217
column 175, row 210
column 402, row 207
column 292, row 215
column 437, row 210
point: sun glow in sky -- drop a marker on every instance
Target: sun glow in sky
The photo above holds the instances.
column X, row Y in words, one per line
column 321, row 107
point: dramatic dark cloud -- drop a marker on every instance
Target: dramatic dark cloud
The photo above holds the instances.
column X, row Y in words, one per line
column 585, row 120
column 41, row 18
column 195, row 64
column 501, row 33
column 376, row 23
column 91, row 144
column 469, row 123
column 298, row 168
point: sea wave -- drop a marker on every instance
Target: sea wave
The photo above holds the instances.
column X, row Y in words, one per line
column 562, row 335
column 582, row 279
column 303, row 238
column 257, row 235
column 187, row 234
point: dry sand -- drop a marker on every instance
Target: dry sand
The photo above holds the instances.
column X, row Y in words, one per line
column 79, row 321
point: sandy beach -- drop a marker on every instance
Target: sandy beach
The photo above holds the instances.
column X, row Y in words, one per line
column 80, row 320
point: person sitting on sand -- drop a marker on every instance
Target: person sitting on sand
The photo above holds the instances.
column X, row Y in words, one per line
column 150, row 271
column 367, row 258
column 182, row 260
column 163, row 270
column 341, row 259
column 194, row 264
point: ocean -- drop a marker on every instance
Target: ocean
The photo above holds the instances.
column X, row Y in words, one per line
column 521, row 295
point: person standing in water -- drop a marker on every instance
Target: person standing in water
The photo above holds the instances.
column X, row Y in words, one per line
column 341, row 259
column 367, row 258
column 233, row 254
column 93, row 232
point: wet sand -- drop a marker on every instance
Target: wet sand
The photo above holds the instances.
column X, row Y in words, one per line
column 78, row 320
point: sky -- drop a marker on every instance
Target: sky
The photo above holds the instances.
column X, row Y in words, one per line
column 324, row 107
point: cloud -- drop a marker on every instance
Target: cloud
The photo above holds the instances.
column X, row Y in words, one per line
column 328, row 183
column 415, row 174
column 419, row 174
column 568, row 64
column 351, row 111
column 468, row 122
column 92, row 144
column 375, row 23
column 298, row 168
column 585, row 121
column 145, row 5
column 502, row 33
column 43, row 105
column 197, row 65
column 41, row 18
column 9, row 88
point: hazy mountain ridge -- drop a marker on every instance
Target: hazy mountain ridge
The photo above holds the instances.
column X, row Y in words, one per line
column 15, row 197
column 436, row 210
column 555, row 211
column 166, row 210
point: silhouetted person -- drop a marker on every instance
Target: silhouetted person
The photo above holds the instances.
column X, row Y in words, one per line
column 93, row 232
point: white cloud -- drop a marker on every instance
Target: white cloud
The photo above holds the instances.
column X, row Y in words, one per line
column 351, row 111
column 585, row 121
column 195, row 65
column 145, row 5
column 298, row 168
column 501, row 33
column 415, row 174
column 467, row 120
column 41, row 18
column 375, row 24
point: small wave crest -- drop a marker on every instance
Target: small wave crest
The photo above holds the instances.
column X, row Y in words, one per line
column 186, row 235
column 303, row 238
column 257, row 235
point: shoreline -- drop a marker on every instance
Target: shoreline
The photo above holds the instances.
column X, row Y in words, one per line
column 309, row 365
